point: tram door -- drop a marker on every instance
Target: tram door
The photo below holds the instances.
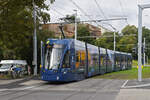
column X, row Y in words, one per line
column 103, row 61
column 42, row 54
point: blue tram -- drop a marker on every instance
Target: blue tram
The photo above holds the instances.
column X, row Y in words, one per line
column 72, row 60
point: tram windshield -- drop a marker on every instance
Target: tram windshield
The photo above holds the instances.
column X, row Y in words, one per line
column 53, row 56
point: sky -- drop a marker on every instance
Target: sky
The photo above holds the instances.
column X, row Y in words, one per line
column 104, row 9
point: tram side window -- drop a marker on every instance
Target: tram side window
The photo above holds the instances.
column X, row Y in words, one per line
column 95, row 58
column 126, row 61
column 77, row 59
column 130, row 61
column 121, row 64
column 80, row 59
column 103, row 60
column 109, row 62
column 118, row 61
column 66, row 61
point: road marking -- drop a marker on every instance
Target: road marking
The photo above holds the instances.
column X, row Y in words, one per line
column 137, row 86
column 124, row 84
column 29, row 87
column 1, row 90
column 21, row 88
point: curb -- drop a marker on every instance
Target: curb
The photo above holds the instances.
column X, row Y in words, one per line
column 134, row 86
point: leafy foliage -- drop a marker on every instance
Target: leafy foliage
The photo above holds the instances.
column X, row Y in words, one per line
column 69, row 18
column 16, row 27
column 107, row 40
column 127, row 42
column 129, row 29
column 146, row 35
column 83, row 31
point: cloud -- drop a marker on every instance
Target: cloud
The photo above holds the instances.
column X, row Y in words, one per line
column 111, row 9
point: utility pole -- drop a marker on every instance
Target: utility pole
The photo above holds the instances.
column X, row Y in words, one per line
column 114, row 37
column 34, row 41
column 114, row 41
column 147, row 60
column 140, row 45
column 75, row 24
column 41, row 53
column 144, row 50
column 141, row 8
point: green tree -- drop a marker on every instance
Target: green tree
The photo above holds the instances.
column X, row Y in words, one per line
column 69, row 18
column 107, row 40
column 129, row 40
column 129, row 29
column 126, row 44
column 146, row 35
column 16, row 27
column 84, row 33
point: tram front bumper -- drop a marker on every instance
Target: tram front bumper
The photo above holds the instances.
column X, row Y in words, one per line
column 57, row 77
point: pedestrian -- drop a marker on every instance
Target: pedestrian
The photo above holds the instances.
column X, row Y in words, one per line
column 29, row 70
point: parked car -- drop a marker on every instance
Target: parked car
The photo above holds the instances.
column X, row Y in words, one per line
column 16, row 68
column 4, row 69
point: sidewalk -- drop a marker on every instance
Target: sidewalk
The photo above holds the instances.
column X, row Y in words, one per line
column 134, row 94
column 134, row 90
column 136, row 84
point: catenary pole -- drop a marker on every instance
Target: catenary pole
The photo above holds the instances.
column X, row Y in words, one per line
column 41, row 53
column 75, row 24
column 144, row 51
column 34, row 41
column 140, row 44
column 141, row 8
column 114, row 41
column 147, row 60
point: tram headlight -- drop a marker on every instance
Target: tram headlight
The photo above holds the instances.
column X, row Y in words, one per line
column 55, row 71
column 65, row 72
column 57, row 77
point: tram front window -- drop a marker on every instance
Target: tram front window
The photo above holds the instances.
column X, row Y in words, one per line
column 53, row 56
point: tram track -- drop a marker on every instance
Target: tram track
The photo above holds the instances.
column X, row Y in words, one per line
column 86, row 89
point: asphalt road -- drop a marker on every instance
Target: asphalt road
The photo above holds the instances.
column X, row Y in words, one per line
column 89, row 89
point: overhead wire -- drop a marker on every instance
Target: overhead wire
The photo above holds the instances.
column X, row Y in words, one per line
column 122, row 10
column 100, row 9
column 74, row 3
column 79, row 8
column 57, row 12
column 102, row 12
column 109, row 36
column 87, row 14
column 66, row 10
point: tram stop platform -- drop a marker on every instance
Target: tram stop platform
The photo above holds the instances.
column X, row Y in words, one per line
column 135, row 90
column 145, row 83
